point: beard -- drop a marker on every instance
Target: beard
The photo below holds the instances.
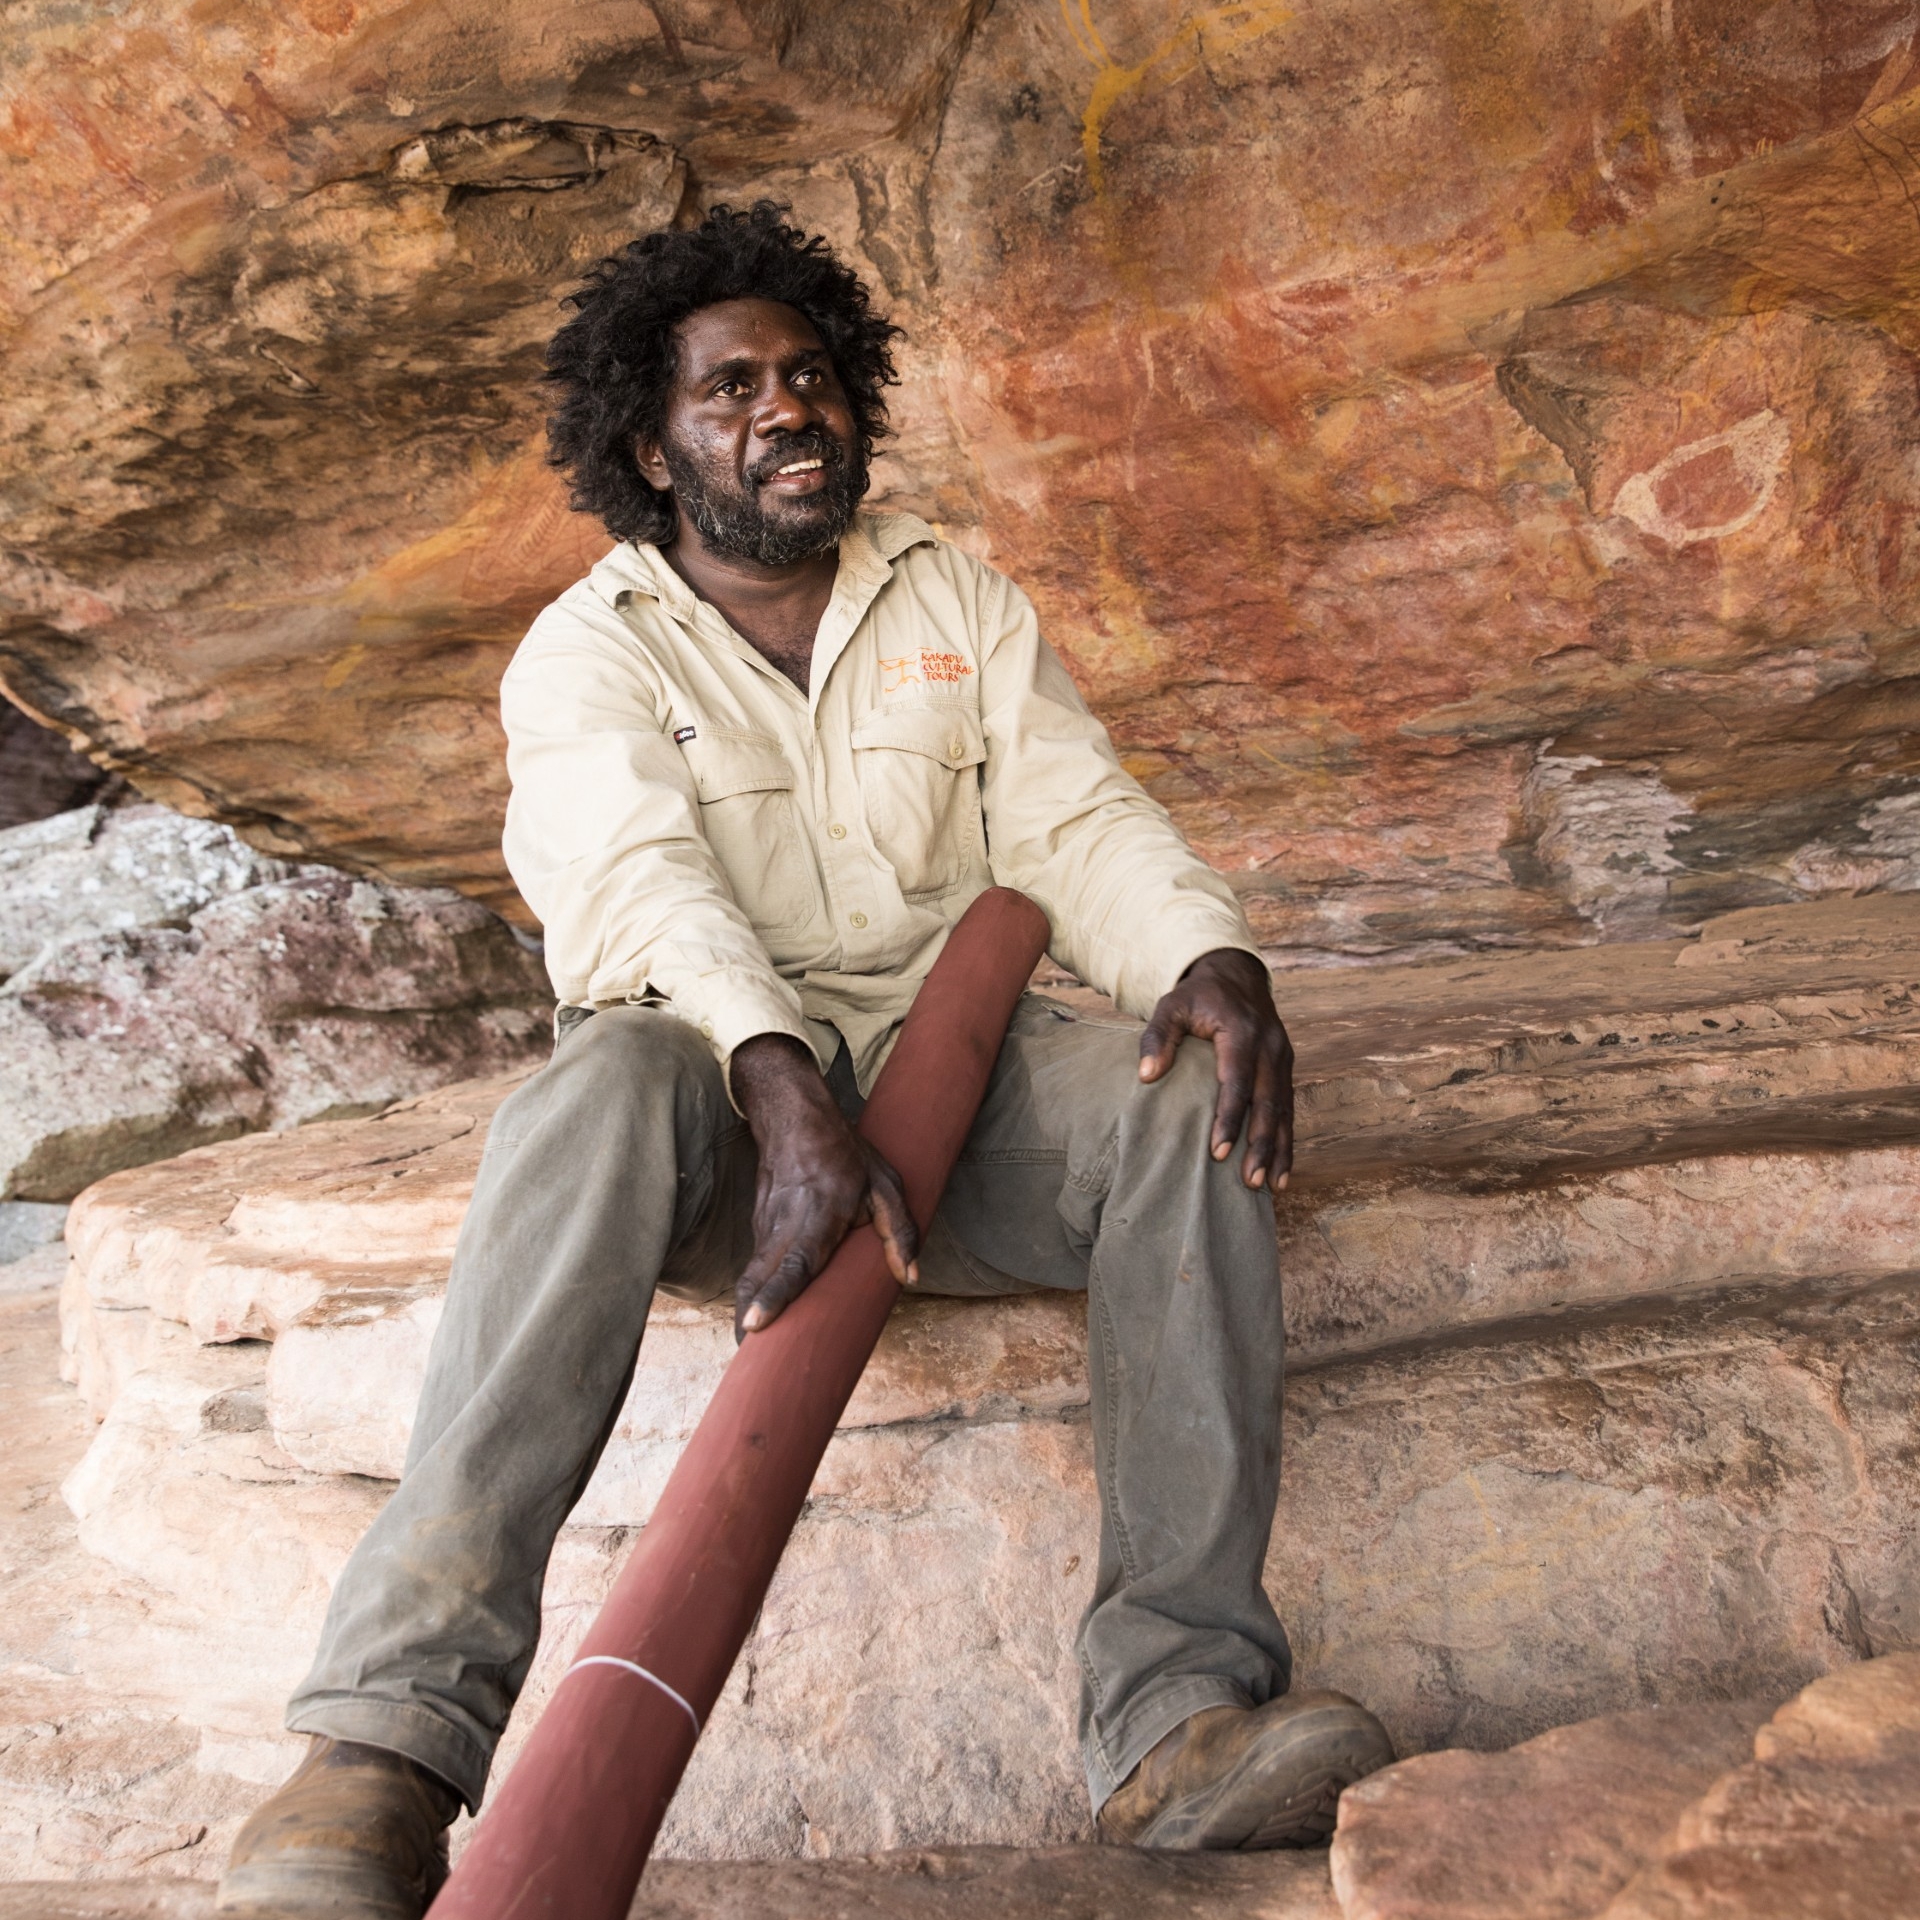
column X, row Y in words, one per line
column 738, row 522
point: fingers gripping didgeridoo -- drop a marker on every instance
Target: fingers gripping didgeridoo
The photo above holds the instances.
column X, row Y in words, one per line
column 567, row 1834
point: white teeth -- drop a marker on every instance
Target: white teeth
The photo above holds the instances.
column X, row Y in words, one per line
column 803, row 466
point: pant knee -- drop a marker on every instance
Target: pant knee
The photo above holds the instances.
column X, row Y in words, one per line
column 627, row 1066
column 628, row 1047
column 1184, row 1098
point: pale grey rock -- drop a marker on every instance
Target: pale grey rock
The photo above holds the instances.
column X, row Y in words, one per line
column 283, row 1003
column 98, row 870
column 27, row 1224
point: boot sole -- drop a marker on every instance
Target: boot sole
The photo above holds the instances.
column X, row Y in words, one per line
column 1307, row 1762
column 313, row 1890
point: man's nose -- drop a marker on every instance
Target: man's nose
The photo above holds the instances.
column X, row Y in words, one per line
column 784, row 411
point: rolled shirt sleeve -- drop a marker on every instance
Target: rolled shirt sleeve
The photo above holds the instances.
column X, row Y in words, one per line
column 603, row 839
column 1131, row 904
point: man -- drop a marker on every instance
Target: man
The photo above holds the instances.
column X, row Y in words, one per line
column 763, row 757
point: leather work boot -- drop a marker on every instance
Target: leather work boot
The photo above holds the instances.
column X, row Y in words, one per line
column 1248, row 1777
column 357, row 1833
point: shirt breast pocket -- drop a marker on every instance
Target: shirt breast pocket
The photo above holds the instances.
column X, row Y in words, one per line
column 919, row 772
column 745, row 786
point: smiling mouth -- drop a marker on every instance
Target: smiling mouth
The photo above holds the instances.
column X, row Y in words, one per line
column 799, row 466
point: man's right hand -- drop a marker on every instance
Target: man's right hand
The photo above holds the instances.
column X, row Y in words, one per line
column 818, row 1179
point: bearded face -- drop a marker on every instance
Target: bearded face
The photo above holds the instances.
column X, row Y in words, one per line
column 791, row 502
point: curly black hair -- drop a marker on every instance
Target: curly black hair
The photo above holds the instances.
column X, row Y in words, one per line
column 614, row 362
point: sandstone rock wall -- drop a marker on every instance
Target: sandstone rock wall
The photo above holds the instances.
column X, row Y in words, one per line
column 1463, row 451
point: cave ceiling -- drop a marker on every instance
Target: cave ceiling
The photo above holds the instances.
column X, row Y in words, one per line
column 1465, row 449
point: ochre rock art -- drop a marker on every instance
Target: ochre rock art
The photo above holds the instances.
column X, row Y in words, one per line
column 1462, row 452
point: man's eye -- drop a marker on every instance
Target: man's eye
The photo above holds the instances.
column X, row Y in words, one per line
column 807, row 376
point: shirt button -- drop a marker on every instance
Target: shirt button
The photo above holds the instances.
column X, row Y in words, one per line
column 839, row 832
column 858, row 919
column 955, row 748
column 706, row 1029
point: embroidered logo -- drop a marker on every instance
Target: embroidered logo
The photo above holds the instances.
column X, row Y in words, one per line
column 923, row 668
column 681, row 735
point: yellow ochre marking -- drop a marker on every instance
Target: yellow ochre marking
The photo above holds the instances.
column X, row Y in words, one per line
column 341, row 671
column 1207, row 30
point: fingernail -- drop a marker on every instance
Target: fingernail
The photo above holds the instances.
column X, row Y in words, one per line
column 913, row 1272
column 1280, row 1185
column 1223, row 1149
column 1146, row 1069
column 755, row 1320
column 1259, row 1177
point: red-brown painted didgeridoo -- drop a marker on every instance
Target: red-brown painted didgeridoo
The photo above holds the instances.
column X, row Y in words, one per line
column 570, row 1830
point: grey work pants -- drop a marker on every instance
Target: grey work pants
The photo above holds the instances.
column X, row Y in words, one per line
column 621, row 1166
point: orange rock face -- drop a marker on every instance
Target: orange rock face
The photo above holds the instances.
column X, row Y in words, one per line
column 1463, row 450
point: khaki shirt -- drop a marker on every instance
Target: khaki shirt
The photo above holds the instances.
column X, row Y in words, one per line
column 691, row 829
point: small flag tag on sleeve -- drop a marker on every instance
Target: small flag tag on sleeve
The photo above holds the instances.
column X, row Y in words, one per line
column 681, row 735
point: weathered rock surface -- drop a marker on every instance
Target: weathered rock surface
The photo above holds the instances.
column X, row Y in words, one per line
column 1503, row 537
column 1591, row 1411
column 1462, row 1129
column 43, row 1269
column 1549, row 1830
column 108, row 1900
column 1824, row 1824
column 1468, row 1538
column 1614, row 1510
column 959, row 1883
column 169, row 986
column 223, row 1238
column 111, row 1756
column 983, row 1883
column 1818, row 1826
column 98, row 870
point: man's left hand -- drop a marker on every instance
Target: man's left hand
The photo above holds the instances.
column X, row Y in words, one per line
column 1227, row 997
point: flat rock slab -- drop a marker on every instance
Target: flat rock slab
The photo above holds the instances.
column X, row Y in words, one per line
column 1779, row 1027
column 964, row 1883
column 336, row 1237
column 1572, row 1814
column 107, row 1900
column 1822, row 1824
column 994, row 1883
column 239, row 1240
